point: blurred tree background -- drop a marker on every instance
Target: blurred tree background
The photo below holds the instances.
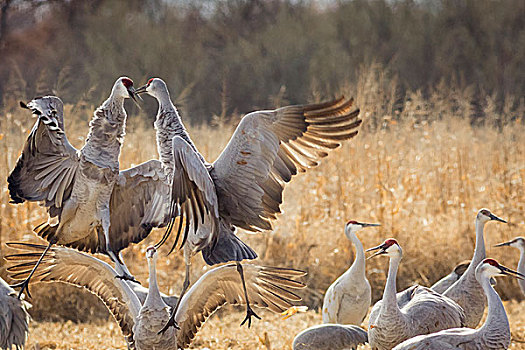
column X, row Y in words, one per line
column 233, row 56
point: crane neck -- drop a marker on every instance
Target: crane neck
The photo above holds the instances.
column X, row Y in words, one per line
column 153, row 297
column 479, row 249
column 106, row 133
column 389, row 295
column 497, row 321
column 358, row 266
column 521, row 267
column 168, row 125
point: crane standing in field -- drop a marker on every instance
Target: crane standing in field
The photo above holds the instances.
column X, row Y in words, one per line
column 267, row 287
column 519, row 243
column 493, row 335
column 14, row 319
column 243, row 187
column 443, row 284
column 466, row 291
column 425, row 313
column 75, row 185
column 348, row 299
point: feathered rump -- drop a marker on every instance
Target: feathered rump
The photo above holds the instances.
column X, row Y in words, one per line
column 228, row 248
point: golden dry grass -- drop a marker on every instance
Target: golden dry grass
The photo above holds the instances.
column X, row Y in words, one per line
column 422, row 174
column 220, row 332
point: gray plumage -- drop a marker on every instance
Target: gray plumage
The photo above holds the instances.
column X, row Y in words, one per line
column 99, row 209
column 443, row 284
column 75, row 185
column 426, row 312
column 348, row 299
column 243, row 187
column 440, row 286
column 14, row 318
column 466, row 291
column 330, row 337
column 493, row 335
column 267, row 287
column 518, row 243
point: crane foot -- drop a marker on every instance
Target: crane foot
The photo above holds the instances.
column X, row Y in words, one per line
column 127, row 277
column 170, row 323
column 23, row 286
column 249, row 314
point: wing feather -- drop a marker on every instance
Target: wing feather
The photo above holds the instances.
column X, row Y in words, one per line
column 193, row 192
column 268, row 148
column 267, row 288
column 70, row 266
column 139, row 202
column 45, row 171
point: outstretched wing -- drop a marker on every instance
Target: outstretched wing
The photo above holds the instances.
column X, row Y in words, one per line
column 268, row 287
column 192, row 192
column 268, row 148
column 139, row 202
column 46, row 169
column 70, row 266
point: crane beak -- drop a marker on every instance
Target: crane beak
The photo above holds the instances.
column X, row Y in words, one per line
column 381, row 250
column 141, row 89
column 133, row 95
column 369, row 225
column 504, row 244
column 509, row 272
column 494, row 217
column 23, row 105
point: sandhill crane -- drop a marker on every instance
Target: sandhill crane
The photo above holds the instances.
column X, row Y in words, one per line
column 330, row 337
column 14, row 319
column 519, row 243
column 98, row 209
column 443, row 284
column 243, row 187
column 466, row 291
column 348, row 299
column 267, row 287
column 426, row 312
column 493, row 335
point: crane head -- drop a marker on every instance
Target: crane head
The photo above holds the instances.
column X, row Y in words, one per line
column 354, row 226
column 484, row 215
column 123, row 87
column 492, row 268
column 153, row 87
column 151, row 252
column 518, row 242
column 390, row 247
column 461, row 267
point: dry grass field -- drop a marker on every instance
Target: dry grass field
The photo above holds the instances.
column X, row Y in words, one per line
column 422, row 173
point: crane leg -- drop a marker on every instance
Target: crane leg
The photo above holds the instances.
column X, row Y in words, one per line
column 25, row 284
column 122, row 269
column 185, row 285
column 249, row 311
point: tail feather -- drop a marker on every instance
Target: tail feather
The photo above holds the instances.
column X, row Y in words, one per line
column 228, row 248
